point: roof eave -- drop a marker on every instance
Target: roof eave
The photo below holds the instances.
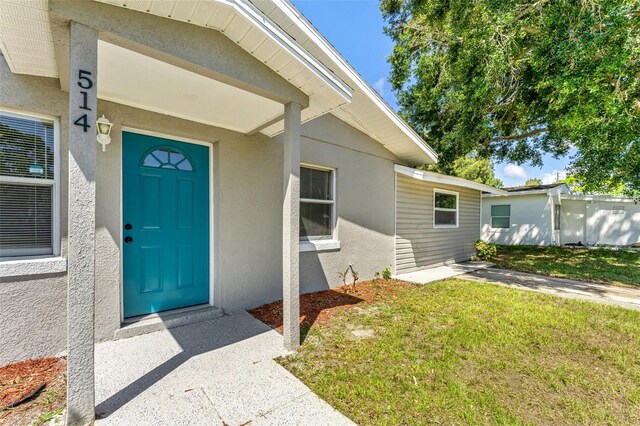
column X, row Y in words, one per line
column 290, row 10
column 597, row 198
column 447, row 180
column 258, row 19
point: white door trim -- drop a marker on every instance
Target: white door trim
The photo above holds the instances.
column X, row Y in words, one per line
column 212, row 258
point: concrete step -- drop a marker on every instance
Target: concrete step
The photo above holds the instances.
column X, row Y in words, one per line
column 137, row 326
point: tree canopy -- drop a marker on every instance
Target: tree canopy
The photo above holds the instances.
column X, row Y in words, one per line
column 513, row 80
column 471, row 167
column 533, row 182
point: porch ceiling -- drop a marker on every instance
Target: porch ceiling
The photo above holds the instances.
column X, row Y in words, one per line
column 273, row 31
column 136, row 80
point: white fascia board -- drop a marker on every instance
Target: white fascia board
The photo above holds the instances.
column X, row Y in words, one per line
column 280, row 37
column 520, row 193
column 598, row 198
column 307, row 28
column 555, row 191
column 447, row 180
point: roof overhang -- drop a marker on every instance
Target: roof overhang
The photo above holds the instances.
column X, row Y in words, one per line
column 555, row 191
column 516, row 194
column 252, row 14
column 382, row 123
column 274, row 32
column 598, row 198
column 447, row 180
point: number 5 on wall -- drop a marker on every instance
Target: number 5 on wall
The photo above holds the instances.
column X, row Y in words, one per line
column 82, row 78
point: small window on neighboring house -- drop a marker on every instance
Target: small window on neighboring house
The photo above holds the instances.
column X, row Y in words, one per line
column 445, row 209
column 317, row 203
column 27, row 185
column 501, row 216
column 556, row 216
column 618, row 209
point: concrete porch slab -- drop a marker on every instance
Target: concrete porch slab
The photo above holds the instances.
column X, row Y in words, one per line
column 429, row 275
column 171, row 319
column 213, row 372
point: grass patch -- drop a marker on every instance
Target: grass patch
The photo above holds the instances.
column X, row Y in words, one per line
column 618, row 267
column 456, row 352
column 45, row 417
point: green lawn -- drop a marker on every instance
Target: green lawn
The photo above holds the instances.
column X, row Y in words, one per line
column 456, row 352
column 619, row 267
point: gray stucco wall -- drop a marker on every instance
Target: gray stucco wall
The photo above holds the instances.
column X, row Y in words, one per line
column 365, row 194
column 33, row 308
column 247, row 202
column 418, row 243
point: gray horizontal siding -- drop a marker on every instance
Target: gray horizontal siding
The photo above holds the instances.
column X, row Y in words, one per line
column 418, row 244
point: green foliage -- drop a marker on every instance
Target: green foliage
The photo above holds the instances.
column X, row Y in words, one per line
column 470, row 167
column 533, row 182
column 386, row 273
column 45, row 417
column 512, row 80
column 484, row 250
column 577, row 187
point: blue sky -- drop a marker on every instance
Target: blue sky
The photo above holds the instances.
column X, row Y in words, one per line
column 355, row 28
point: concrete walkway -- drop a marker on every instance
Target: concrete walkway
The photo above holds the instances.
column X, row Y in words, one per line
column 429, row 275
column 218, row 372
column 600, row 293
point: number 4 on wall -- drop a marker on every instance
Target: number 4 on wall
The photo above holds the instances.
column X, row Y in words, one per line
column 82, row 121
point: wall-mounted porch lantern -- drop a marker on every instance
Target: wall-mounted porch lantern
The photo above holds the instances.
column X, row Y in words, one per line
column 104, row 129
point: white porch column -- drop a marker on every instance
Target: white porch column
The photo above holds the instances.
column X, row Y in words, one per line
column 83, row 73
column 291, row 227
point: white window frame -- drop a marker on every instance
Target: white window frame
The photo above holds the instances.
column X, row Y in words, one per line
column 322, row 242
column 55, row 193
column 492, row 216
column 457, row 209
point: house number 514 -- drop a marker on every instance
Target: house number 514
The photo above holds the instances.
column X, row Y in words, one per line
column 84, row 82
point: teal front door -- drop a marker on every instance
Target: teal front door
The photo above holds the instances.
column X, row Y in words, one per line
column 165, row 195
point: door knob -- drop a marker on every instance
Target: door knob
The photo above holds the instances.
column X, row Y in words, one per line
column 128, row 240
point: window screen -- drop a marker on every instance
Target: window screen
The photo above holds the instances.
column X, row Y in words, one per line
column 501, row 216
column 445, row 210
column 26, row 147
column 316, row 203
column 27, row 187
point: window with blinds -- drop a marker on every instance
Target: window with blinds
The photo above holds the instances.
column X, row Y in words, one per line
column 27, row 184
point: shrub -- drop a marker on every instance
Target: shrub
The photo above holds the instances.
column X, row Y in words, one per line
column 386, row 273
column 484, row 250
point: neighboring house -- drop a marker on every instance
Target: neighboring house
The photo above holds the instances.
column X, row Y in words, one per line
column 552, row 215
column 248, row 162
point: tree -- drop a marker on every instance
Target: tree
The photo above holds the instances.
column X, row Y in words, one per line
column 578, row 187
column 512, row 80
column 471, row 167
column 533, row 182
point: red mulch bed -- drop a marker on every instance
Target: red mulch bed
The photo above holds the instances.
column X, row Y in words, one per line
column 318, row 308
column 23, row 379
